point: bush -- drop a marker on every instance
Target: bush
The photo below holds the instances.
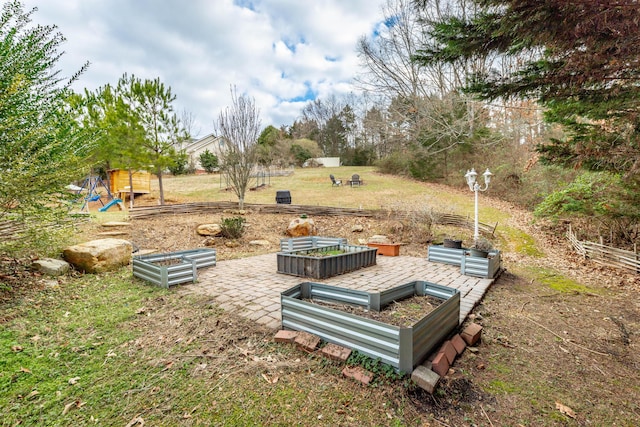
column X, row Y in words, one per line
column 179, row 167
column 232, row 228
column 209, row 161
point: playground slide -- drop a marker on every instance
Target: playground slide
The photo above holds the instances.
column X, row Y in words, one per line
column 108, row 205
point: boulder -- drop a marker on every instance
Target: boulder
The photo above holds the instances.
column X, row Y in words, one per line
column 300, row 227
column 378, row 238
column 209, row 230
column 50, row 266
column 99, row 255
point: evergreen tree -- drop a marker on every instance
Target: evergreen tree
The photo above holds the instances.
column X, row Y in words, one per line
column 579, row 59
column 42, row 147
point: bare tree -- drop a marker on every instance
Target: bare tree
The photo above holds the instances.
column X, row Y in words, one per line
column 239, row 127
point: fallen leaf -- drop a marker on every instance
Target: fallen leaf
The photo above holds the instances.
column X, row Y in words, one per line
column 137, row 420
column 25, row 370
column 16, row 348
column 141, row 310
column 68, row 407
column 565, row 410
column 74, row 380
column 33, row 394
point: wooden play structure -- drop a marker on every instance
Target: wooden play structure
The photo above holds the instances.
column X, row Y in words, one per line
column 119, row 182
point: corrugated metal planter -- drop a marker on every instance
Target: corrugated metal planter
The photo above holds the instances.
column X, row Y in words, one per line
column 309, row 242
column 305, row 264
column 387, row 249
column 401, row 347
column 172, row 268
column 469, row 265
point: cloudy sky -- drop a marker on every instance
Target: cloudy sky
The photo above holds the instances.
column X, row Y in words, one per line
column 282, row 53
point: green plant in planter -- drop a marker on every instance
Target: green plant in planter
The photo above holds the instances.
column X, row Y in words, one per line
column 481, row 247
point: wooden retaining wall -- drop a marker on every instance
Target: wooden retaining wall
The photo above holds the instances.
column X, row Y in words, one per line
column 208, row 207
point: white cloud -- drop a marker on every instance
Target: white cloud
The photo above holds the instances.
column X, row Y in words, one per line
column 278, row 51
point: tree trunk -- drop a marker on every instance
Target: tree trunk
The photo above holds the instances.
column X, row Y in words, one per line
column 160, row 186
column 131, row 193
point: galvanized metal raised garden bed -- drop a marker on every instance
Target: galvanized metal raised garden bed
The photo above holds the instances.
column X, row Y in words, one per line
column 401, row 347
column 306, row 263
column 309, row 242
column 469, row 265
column 173, row 268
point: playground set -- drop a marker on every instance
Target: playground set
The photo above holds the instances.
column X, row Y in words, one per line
column 93, row 185
column 116, row 188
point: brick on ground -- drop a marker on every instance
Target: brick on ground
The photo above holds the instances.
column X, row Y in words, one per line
column 286, row 336
column 449, row 351
column 458, row 343
column 358, row 373
column 306, row 341
column 425, row 378
column 336, row 352
column 440, row 364
column 472, row 333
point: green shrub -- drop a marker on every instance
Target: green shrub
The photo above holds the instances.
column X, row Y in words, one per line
column 232, row 228
column 180, row 165
column 209, row 161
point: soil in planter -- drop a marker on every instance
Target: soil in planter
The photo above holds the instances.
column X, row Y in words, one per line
column 322, row 254
column 403, row 313
column 168, row 262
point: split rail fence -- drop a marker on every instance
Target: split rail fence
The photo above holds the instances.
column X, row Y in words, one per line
column 605, row 255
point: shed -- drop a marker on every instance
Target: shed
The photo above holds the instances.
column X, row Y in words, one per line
column 119, row 181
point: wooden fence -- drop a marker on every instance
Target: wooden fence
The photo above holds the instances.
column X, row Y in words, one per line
column 208, row 207
column 605, row 255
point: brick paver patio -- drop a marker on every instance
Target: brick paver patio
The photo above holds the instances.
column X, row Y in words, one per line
column 251, row 286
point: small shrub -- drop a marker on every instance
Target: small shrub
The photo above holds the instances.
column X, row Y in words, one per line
column 232, row 228
column 482, row 244
column 382, row 371
column 209, row 161
column 180, row 165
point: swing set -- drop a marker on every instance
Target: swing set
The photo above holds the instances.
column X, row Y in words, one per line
column 91, row 185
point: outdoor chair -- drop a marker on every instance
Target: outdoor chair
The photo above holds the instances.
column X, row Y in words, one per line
column 355, row 180
column 335, row 182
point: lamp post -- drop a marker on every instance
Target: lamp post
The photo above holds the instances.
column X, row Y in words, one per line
column 471, row 177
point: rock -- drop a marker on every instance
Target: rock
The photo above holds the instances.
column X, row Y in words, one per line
column 302, row 227
column 357, row 228
column 378, row 238
column 209, row 241
column 232, row 244
column 264, row 243
column 209, row 230
column 99, row 255
column 52, row 267
column 116, row 224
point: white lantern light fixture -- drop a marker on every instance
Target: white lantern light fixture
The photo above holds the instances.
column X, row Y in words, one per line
column 472, row 181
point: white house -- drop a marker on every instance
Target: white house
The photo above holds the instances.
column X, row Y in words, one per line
column 210, row 142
